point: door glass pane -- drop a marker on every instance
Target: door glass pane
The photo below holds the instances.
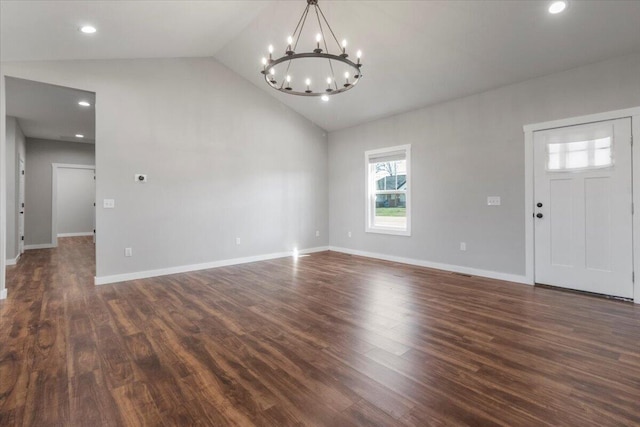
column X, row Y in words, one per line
column 592, row 154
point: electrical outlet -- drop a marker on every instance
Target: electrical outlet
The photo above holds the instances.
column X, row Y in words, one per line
column 237, row 240
column 349, row 234
column 140, row 178
column 128, row 252
column 317, row 233
column 463, row 246
column 108, row 203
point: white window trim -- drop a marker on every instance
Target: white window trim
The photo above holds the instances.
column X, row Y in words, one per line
column 369, row 206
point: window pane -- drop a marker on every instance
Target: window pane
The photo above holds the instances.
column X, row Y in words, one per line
column 391, row 210
column 390, row 175
column 577, row 159
column 602, row 157
column 595, row 153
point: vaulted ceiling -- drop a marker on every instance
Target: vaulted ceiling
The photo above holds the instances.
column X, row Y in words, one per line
column 416, row 53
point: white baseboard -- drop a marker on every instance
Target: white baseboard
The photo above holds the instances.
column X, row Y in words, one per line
column 39, row 246
column 13, row 261
column 3, row 294
column 103, row 280
column 83, row 233
column 439, row 266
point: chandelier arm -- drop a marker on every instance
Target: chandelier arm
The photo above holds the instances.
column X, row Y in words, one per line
column 306, row 9
column 328, row 26
column 333, row 73
column 324, row 41
column 304, row 14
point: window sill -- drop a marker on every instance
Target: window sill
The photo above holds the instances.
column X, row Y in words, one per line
column 393, row 231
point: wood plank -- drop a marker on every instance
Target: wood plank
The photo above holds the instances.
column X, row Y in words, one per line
column 325, row 340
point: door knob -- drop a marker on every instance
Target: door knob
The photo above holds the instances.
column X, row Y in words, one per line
column 539, row 215
column 539, row 204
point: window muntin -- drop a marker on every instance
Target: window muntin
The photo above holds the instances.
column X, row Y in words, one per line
column 388, row 190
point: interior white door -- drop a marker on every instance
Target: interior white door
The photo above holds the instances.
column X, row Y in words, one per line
column 21, row 208
column 75, row 198
column 583, row 213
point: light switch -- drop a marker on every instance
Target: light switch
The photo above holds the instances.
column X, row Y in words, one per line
column 108, row 203
column 493, row 200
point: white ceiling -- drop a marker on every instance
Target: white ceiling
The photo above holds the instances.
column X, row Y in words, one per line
column 51, row 112
column 416, row 53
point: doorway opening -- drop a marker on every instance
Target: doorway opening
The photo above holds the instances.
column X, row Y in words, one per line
column 51, row 171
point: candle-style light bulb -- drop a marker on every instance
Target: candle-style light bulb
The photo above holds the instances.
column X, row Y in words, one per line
column 289, row 43
column 359, row 55
column 308, row 82
column 346, row 75
column 344, row 49
column 346, row 78
column 273, row 71
column 329, row 84
column 318, row 40
column 328, row 80
column 270, row 53
column 288, row 79
column 264, row 61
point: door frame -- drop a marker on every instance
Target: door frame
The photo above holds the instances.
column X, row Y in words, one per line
column 21, row 203
column 529, row 202
column 54, row 195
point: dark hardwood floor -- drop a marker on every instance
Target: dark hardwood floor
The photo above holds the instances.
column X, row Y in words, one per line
column 325, row 340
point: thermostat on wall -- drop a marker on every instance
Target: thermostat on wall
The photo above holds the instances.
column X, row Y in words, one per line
column 140, row 177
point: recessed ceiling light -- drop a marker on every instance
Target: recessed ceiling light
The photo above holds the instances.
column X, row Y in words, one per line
column 557, row 7
column 84, row 104
column 88, row 29
column 325, row 98
column 79, row 135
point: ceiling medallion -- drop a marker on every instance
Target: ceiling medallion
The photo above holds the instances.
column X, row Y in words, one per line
column 338, row 72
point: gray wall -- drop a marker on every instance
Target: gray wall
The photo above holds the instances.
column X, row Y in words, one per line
column 75, row 199
column 15, row 149
column 224, row 160
column 41, row 154
column 462, row 152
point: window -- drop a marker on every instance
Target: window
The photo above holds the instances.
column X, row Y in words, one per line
column 388, row 199
column 588, row 149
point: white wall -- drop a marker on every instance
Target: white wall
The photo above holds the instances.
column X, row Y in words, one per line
column 15, row 149
column 224, row 160
column 74, row 199
column 463, row 151
column 41, row 153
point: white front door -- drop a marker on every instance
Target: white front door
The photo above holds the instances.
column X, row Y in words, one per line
column 583, row 213
column 21, row 208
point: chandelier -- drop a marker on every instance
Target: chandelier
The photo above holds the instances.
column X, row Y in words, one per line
column 286, row 73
